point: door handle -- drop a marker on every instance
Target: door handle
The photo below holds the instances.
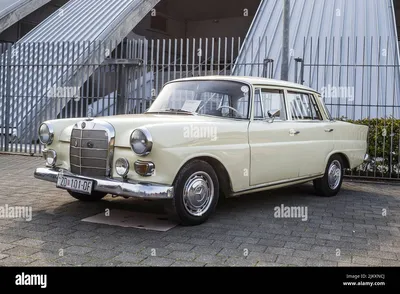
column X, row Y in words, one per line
column 328, row 130
column 293, row 132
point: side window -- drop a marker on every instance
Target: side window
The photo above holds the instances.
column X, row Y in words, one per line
column 270, row 100
column 302, row 107
column 324, row 108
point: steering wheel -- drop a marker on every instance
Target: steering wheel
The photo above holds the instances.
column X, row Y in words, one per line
column 231, row 108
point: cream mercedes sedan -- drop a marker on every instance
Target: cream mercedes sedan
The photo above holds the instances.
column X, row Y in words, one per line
column 202, row 139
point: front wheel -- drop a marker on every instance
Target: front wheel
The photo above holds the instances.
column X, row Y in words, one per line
column 95, row 196
column 196, row 194
column 329, row 185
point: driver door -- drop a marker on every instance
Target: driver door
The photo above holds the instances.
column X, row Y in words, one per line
column 273, row 157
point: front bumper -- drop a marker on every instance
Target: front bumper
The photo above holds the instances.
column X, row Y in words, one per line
column 112, row 186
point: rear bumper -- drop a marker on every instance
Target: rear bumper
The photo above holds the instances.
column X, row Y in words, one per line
column 112, row 186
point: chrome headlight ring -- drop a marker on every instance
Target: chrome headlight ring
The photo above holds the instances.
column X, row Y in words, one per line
column 141, row 141
column 46, row 134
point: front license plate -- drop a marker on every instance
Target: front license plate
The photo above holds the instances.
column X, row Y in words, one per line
column 75, row 184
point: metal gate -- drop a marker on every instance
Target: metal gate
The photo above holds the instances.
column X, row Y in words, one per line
column 358, row 79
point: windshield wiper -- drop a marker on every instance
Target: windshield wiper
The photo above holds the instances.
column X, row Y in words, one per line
column 177, row 110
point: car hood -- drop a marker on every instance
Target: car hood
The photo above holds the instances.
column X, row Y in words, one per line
column 163, row 123
column 137, row 120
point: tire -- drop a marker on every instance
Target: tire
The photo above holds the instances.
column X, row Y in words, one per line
column 323, row 187
column 95, row 196
column 185, row 207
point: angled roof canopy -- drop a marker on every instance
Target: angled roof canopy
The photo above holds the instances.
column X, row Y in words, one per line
column 11, row 11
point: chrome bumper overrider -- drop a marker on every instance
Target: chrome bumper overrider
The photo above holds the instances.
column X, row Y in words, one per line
column 111, row 186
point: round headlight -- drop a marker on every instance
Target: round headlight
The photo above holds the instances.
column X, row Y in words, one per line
column 141, row 141
column 46, row 134
column 122, row 167
column 51, row 157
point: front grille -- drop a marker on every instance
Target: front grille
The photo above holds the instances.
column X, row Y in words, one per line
column 89, row 152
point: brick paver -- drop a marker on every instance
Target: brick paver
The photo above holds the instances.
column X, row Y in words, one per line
column 360, row 227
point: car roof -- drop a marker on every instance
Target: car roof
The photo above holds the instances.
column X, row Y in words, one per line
column 253, row 81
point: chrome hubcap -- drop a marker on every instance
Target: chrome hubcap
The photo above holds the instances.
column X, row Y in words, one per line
column 198, row 193
column 334, row 174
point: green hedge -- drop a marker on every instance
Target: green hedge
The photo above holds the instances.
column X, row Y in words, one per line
column 383, row 138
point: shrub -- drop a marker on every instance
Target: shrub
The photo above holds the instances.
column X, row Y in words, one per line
column 383, row 143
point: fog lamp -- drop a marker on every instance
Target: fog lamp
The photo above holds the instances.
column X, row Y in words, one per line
column 122, row 167
column 51, row 157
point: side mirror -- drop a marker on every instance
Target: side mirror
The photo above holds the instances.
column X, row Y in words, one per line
column 273, row 113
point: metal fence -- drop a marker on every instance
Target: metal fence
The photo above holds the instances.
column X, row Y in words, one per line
column 358, row 79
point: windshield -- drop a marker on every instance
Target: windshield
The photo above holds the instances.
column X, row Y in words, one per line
column 216, row 98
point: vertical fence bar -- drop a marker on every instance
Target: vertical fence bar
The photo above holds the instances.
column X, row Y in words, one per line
column 42, row 87
column 30, row 80
column 13, row 96
column 206, row 57
column 169, row 61
column 212, row 55
column 333, row 71
column 152, row 70
column 175, row 56
column 384, row 104
column 347, row 77
column 35, row 93
column 157, row 64
column 311, row 69
column 225, row 54
column 3, row 114
column 7, row 99
column 200, row 55
column 163, row 64
column 377, row 101
column 101, row 71
column 145, row 72
column 187, row 56
column 219, row 56
column 2, row 97
column 193, row 56
column 79, row 69
column 370, row 91
column 184, row 66
column 317, row 61
column 363, row 76
column 65, row 92
column 18, row 111
column 232, row 55
column 21, row 93
column 326, row 69
column 252, row 57
column 260, row 59
column 354, row 78
column 338, row 99
column 92, row 82
column 107, row 68
column 392, row 134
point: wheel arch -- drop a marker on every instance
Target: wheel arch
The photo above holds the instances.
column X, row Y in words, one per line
column 224, row 179
column 344, row 157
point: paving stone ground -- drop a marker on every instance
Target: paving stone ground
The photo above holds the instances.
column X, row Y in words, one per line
column 360, row 227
